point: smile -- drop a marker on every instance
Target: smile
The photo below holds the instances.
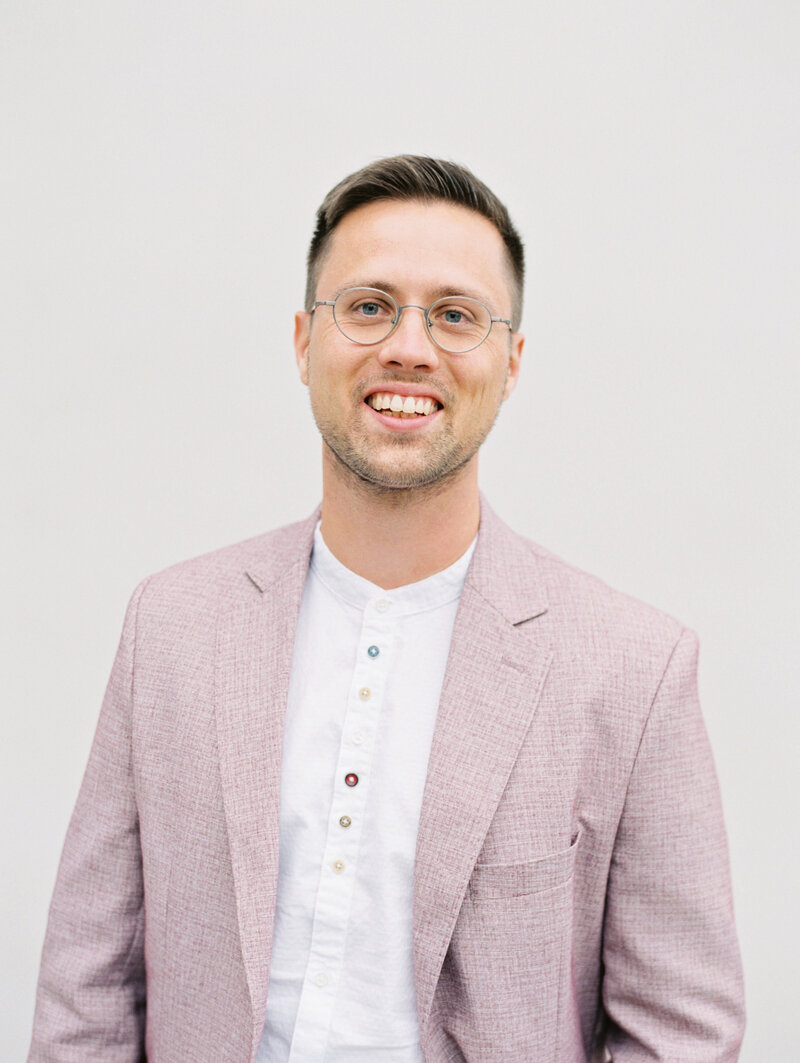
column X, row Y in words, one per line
column 394, row 405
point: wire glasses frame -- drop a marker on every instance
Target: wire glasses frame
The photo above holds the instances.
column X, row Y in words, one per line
column 456, row 323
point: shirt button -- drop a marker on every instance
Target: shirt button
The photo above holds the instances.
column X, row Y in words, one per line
column 321, row 979
column 373, row 651
column 358, row 738
column 351, row 779
column 338, row 866
column 344, row 821
column 382, row 605
column 365, row 693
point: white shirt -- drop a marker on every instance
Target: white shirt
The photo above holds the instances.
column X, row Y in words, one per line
column 367, row 673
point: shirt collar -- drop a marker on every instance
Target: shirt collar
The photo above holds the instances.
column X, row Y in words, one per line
column 437, row 590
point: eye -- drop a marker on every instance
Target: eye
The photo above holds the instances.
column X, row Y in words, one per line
column 362, row 306
column 454, row 315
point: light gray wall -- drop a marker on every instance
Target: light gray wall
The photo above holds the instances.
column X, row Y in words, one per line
column 161, row 166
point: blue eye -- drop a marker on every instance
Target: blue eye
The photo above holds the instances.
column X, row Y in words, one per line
column 455, row 315
column 369, row 309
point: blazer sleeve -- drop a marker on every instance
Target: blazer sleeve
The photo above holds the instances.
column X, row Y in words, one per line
column 90, row 1001
column 672, row 986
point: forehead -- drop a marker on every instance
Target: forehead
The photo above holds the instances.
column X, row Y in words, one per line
column 419, row 248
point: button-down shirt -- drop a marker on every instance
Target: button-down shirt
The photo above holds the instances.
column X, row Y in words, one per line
column 366, row 677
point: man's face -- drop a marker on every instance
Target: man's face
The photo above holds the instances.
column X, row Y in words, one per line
column 417, row 252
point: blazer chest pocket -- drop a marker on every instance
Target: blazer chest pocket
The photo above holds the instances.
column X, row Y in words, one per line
column 492, row 882
column 511, row 943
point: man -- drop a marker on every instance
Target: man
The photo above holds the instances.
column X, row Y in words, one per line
column 394, row 784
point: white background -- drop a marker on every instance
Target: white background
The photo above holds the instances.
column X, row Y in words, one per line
column 161, row 165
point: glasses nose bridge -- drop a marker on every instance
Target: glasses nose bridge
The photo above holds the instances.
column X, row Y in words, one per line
column 426, row 320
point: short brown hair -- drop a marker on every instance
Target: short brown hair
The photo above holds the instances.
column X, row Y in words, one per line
column 412, row 177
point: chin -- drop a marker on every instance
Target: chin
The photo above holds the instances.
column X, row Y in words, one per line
column 396, row 476
column 401, row 464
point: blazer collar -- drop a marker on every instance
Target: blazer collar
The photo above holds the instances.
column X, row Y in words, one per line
column 496, row 671
column 505, row 570
column 255, row 639
column 285, row 549
column 500, row 571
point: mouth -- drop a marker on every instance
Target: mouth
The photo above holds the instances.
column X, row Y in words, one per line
column 390, row 404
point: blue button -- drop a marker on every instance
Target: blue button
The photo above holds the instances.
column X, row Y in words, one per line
column 373, row 651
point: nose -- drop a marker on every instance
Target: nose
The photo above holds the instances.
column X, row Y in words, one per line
column 409, row 346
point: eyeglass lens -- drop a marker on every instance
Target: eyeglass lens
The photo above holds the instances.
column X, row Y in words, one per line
column 455, row 323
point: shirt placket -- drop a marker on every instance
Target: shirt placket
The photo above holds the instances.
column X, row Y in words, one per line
column 351, row 787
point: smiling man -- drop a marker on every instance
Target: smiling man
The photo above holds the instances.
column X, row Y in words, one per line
column 395, row 784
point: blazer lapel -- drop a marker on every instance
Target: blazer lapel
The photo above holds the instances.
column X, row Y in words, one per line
column 495, row 674
column 254, row 656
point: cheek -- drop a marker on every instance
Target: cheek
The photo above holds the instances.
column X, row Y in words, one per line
column 330, row 381
column 488, row 390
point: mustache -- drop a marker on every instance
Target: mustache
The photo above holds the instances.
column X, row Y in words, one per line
column 385, row 382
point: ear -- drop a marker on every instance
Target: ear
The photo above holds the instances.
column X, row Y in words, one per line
column 302, row 338
column 517, row 343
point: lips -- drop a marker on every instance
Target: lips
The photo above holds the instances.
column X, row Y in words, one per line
column 391, row 403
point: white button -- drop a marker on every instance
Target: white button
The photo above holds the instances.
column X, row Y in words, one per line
column 358, row 737
column 382, row 605
column 338, row 866
column 321, row 979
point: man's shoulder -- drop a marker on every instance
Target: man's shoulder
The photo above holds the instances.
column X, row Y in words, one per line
column 574, row 597
column 609, row 604
column 228, row 573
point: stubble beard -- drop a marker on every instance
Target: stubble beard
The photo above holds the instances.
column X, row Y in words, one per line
column 403, row 462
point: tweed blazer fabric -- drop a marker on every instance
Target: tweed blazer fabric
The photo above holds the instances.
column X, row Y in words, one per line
column 572, row 896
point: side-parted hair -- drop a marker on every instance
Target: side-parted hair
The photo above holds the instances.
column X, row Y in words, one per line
column 410, row 177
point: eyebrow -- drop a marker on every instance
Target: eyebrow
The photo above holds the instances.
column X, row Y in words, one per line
column 436, row 293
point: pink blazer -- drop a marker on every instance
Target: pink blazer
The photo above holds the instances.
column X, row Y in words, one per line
column 572, row 895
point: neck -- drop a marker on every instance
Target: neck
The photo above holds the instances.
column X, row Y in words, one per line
column 393, row 537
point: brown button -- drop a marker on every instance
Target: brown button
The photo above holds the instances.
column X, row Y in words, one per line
column 344, row 821
column 351, row 779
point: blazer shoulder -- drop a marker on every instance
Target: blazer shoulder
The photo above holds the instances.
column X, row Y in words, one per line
column 577, row 601
column 577, row 592
column 223, row 576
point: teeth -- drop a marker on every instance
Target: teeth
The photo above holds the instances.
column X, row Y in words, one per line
column 404, row 406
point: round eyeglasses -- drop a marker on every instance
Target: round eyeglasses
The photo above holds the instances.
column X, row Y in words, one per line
column 456, row 323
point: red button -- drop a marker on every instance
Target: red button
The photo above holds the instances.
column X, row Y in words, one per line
column 351, row 779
